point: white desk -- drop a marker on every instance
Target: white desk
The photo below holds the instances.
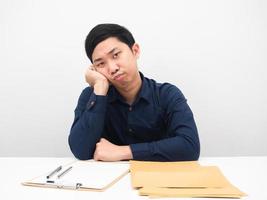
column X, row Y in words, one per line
column 247, row 173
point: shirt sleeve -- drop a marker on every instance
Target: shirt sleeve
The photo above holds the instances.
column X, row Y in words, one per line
column 182, row 142
column 88, row 124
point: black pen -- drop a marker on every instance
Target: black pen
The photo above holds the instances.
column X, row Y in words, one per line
column 53, row 172
column 64, row 172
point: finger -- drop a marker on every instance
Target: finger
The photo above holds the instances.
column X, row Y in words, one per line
column 95, row 156
column 87, row 71
column 93, row 67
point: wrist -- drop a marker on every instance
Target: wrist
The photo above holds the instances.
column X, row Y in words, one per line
column 126, row 153
column 101, row 87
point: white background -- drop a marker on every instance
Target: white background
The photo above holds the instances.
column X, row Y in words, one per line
column 214, row 51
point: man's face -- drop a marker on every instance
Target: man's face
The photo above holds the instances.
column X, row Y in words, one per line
column 116, row 61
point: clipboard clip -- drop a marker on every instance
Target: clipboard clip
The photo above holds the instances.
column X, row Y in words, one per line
column 74, row 186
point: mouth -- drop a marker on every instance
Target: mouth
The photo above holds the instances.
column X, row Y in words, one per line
column 118, row 77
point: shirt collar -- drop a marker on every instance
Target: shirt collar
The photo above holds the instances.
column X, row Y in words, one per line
column 144, row 92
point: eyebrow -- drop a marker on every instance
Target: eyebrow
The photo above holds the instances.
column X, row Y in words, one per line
column 110, row 52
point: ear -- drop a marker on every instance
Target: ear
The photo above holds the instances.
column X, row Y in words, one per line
column 136, row 50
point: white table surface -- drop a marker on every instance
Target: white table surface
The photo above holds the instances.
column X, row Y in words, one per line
column 249, row 174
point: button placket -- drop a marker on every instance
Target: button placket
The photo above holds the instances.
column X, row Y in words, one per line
column 130, row 130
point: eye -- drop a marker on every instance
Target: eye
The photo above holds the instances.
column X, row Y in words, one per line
column 115, row 55
column 101, row 64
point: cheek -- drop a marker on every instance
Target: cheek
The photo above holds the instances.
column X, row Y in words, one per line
column 103, row 72
column 129, row 62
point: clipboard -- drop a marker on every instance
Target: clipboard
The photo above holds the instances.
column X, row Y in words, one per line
column 84, row 175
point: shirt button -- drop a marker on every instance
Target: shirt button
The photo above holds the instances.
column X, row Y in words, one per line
column 130, row 108
column 92, row 103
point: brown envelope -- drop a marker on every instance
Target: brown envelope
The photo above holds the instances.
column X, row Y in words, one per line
column 181, row 179
column 208, row 176
column 229, row 192
column 161, row 166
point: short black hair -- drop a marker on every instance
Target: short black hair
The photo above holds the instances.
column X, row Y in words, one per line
column 102, row 32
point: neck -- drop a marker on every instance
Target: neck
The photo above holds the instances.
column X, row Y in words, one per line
column 130, row 92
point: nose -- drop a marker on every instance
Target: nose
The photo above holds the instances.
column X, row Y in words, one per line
column 113, row 68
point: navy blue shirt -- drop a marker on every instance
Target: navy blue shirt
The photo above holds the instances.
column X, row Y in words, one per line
column 158, row 126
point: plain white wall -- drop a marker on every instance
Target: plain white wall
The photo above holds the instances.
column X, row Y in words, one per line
column 214, row 51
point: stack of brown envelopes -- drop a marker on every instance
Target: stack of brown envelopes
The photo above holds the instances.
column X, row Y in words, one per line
column 181, row 179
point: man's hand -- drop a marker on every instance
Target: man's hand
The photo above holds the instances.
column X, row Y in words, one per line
column 96, row 80
column 106, row 151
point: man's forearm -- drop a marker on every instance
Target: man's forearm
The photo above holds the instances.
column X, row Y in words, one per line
column 88, row 125
column 168, row 149
column 101, row 88
column 84, row 136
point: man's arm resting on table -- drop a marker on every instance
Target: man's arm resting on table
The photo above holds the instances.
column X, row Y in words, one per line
column 89, row 121
column 182, row 142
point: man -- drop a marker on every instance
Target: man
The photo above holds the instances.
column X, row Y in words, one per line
column 124, row 115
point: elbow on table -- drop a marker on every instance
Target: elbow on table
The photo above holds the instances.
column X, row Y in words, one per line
column 79, row 152
column 195, row 156
column 82, row 157
column 188, row 153
column 192, row 149
column 193, row 153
